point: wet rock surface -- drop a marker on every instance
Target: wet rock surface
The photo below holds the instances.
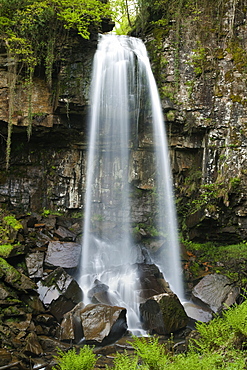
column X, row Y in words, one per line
column 63, row 254
column 103, row 324
column 215, row 291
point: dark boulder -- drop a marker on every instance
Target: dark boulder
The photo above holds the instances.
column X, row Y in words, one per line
column 15, row 278
column 163, row 314
column 59, row 292
column 34, row 263
column 151, row 280
column 5, row 357
column 33, row 346
column 99, row 293
column 65, row 234
column 71, row 327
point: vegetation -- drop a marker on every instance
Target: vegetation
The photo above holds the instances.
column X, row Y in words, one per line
column 220, row 344
column 229, row 260
column 70, row 360
column 48, row 212
column 34, row 32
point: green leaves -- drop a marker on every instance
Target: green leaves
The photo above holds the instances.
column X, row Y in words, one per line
column 84, row 360
column 31, row 21
column 34, row 33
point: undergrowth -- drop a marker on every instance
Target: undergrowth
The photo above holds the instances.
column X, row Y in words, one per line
column 84, row 360
column 219, row 344
column 229, row 260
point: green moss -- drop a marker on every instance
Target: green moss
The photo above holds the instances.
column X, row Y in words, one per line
column 5, row 250
column 236, row 98
column 219, row 53
column 11, row 311
column 11, row 221
column 8, row 271
column 170, row 116
column 48, row 212
column 229, row 260
column 229, row 76
column 239, row 55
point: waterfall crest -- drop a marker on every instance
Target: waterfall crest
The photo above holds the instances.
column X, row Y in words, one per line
column 123, row 90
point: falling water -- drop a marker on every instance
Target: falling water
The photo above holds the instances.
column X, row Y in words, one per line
column 122, row 80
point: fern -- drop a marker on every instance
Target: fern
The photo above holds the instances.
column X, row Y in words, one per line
column 151, row 352
column 70, row 360
column 123, row 361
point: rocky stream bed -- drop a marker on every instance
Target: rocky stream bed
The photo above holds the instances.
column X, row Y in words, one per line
column 42, row 305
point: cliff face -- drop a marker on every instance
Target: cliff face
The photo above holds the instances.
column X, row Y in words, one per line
column 201, row 73
column 200, row 63
column 48, row 171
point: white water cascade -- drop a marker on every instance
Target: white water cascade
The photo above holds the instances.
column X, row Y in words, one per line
column 123, row 89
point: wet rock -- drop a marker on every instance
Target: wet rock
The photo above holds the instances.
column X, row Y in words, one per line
column 6, row 292
column 21, row 325
column 33, row 346
column 103, row 324
column 15, row 278
column 63, row 254
column 152, row 281
column 45, row 319
column 34, row 263
column 198, row 312
column 32, row 220
column 99, row 293
column 24, row 283
column 64, row 234
column 5, row 357
column 50, row 344
column 60, row 292
column 215, row 290
column 42, row 239
column 49, row 222
column 34, row 303
column 71, row 327
column 163, row 314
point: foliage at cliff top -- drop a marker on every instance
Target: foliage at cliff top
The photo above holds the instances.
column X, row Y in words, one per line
column 30, row 27
column 34, row 33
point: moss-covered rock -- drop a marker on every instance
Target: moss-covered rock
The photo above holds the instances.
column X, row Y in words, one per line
column 163, row 314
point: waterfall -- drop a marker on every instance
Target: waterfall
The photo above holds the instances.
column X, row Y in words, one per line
column 122, row 90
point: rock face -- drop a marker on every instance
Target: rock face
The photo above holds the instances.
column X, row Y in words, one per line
column 203, row 84
column 163, row 314
column 215, row 291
